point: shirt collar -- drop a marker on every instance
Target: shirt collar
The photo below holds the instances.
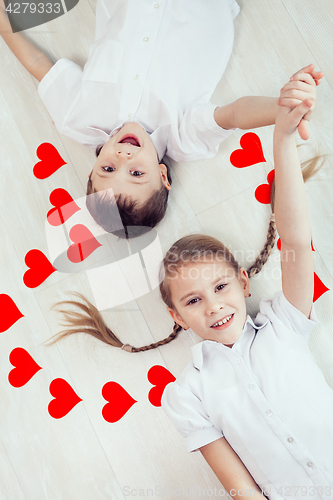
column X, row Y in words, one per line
column 198, row 350
column 160, row 139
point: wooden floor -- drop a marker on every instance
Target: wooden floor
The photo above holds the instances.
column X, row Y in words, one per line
column 82, row 456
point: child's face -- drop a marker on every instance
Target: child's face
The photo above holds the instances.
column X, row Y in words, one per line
column 128, row 164
column 206, row 293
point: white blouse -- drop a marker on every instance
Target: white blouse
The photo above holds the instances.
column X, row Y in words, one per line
column 156, row 62
column 267, row 396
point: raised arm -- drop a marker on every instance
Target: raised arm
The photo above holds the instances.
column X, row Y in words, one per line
column 33, row 59
column 252, row 112
column 291, row 211
column 230, row 470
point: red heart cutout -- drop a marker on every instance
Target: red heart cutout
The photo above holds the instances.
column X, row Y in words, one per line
column 84, row 244
column 263, row 192
column 160, row 377
column 26, row 367
column 279, row 245
column 119, row 402
column 65, row 207
column 319, row 288
column 251, row 152
column 9, row 312
column 50, row 162
column 65, row 398
column 40, row 268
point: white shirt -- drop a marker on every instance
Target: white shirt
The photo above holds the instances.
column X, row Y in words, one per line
column 156, row 62
column 267, row 396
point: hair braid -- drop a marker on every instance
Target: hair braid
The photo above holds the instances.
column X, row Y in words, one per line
column 93, row 323
column 172, row 336
column 266, row 251
column 309, row 168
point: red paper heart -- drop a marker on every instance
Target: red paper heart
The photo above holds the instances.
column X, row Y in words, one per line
column 319, row 288
column 279, row 245
column 65, row 398
column 65, row 207
column 26, row 367
column 263, row 192
column 119, row 402
column 84, row 244
column 50, row 162
column 160, row 377
column 251, row 152
column 9, row 312
column 40, row 268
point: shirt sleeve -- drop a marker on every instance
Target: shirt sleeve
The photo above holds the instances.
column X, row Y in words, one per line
column 281, row 310
column 199, row 136
column 59, row 90
column 187, row 413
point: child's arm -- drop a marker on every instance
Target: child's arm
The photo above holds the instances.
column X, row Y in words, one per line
column 34, row 60
column 230, row 470
column 291, row 212
column 252, row 112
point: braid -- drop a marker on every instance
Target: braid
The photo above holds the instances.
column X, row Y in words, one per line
column 270, row 240
column 266, row 251
column 92, row 322
column 172, row 336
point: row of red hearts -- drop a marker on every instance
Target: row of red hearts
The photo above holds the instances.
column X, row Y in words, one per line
column 65, row 398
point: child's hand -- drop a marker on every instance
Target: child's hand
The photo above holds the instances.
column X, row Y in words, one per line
column 301, row 86
column 288, row 120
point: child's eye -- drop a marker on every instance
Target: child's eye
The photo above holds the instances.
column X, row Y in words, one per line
column 221, row 286
column 136, row 173
column 108, row 169
column 192, row 301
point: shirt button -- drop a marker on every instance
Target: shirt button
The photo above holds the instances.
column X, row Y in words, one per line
column 250, row 386
column 156, row 5
column 290, row 440
column 130, row 115
column 309, row 464
column 238, row 361
column 269, row 413
column 135, row 77
column 145, row 39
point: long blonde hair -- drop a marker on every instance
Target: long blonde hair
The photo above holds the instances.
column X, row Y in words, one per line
column 89, row 320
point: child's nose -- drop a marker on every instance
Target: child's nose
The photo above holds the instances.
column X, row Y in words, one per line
column 124, row 154
column 214, row 306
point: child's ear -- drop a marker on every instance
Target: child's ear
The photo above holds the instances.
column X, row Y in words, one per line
column 175, row 316
column 244, row 279
column 164, row 175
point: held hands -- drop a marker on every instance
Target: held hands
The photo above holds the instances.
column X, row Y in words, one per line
column 289, row 120
column 301, row 89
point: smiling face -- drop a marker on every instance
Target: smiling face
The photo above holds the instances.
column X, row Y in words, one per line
column 209, row 298
column 129, row 165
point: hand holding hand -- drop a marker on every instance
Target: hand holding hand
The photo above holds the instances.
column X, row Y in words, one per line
column 288, row 120
column 301, row 86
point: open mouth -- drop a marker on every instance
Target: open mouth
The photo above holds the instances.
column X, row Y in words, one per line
column 130, row 139
column 223, row 322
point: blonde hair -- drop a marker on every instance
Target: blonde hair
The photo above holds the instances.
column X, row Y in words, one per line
column 89, row 320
